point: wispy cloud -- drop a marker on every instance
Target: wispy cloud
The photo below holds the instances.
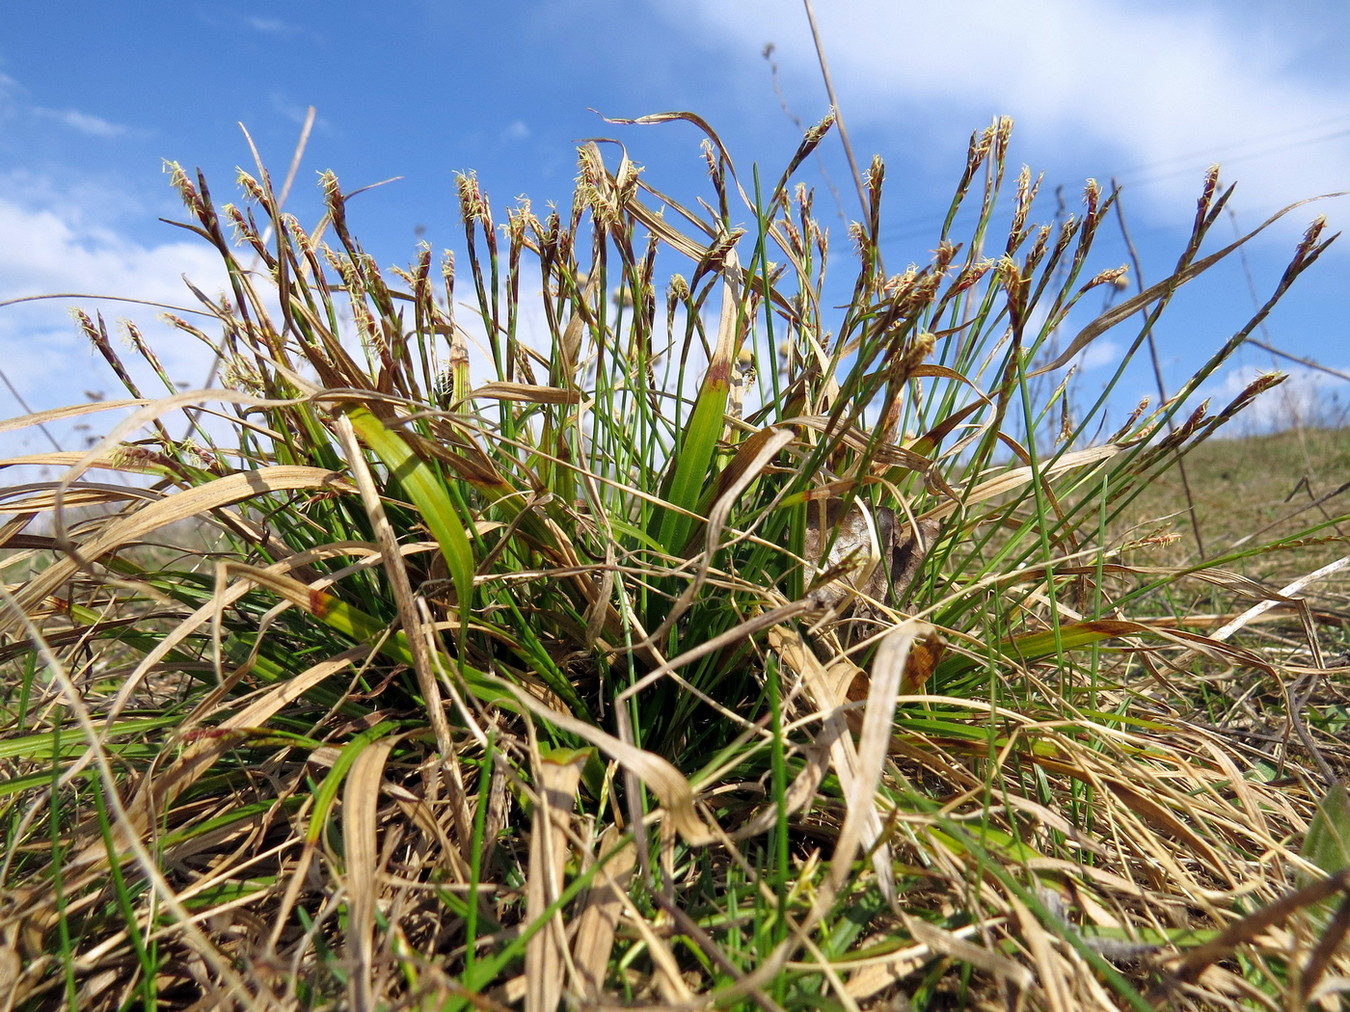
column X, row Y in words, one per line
column 297, row 112
column 14, row 100
column 1307, row 397
column 65, row 249
column 269, row 26
column 1166, row 88
column 95, row 126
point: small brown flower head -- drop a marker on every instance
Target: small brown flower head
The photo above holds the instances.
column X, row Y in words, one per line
column 723, row 246
column 1254, row 389
column 979, row 147
column 943, row 256
column 1004, row 128
column 971, row 274
column 1310, row 236
column 590, row 180
column 200, row 455
column 178, row 179
column 302, row 239
column 876, row 176
column 1211, row 184
column 627, row 182
column 804, row 199
column 1066, row 233
column 817, row 133
column 1117, row 277
column 251, row 187
column 1092, row 195
column 1158, row 539
column 918, row 350
column 473, row 206
column 328, row 182
column 1009, row 271
column 136, row 458
column 239, row 374
column 238, row 223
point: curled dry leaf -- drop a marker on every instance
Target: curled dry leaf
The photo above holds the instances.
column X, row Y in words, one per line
column 869, row 550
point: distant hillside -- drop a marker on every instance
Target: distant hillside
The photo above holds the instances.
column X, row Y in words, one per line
column 1256, row 490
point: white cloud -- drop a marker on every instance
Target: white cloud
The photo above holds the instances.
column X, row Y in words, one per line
column 297, row 112
column 65, row 249
column 9, row 89
column 269, row 26
column 13, row 101
column 1101, row 352
column 1164, row 90
column 516, row 131
column 61, row 254
column 95, row 126
column 1307, row 397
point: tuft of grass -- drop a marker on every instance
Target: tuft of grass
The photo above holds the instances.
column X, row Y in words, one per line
column 721, row 648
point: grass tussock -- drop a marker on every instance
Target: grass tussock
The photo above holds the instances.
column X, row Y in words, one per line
column 722, row 648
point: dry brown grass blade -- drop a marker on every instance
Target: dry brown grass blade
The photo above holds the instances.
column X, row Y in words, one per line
column 666, row 782
column 569, row 348
column 799, row 793
column 546, row 951
column 1331, row 942
column 299, row 872
column 828, row 80
column 1014, row 478
column 856, row 784
column 661, row 228
column 158, row 790
column 1284, row 594
column 525, row 393
column 599, row 918
column 60, row 458
column 45, row 496
column 862, row 824
column 409, row 614
column 170, row 509
column 1057, row 978
column 856, row 438
column 1253, row 925
column 296, row 565
column 949, row 944
column 1159, row 817
column 360, row 798
column 234, row 987
column 731, row 322
column 874, row 974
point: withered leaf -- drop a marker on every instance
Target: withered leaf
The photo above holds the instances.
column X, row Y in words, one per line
column 862, row 550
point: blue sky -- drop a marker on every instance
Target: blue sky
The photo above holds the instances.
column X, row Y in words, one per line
column 94, row 99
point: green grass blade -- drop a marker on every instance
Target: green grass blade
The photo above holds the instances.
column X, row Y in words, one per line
column 424, row 486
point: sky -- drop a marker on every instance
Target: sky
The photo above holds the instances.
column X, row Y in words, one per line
column 94, row 99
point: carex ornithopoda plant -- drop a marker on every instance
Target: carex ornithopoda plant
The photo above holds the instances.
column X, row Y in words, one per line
column 605, row 614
